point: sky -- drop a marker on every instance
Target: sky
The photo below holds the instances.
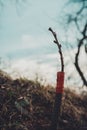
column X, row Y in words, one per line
column 25, row 26
column 26, row 45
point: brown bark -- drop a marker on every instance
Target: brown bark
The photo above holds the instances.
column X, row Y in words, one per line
column 59, row 47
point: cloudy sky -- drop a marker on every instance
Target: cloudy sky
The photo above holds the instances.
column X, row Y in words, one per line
column 25, row 42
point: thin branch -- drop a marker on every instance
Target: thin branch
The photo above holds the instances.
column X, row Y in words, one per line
column 81, row 9
column 75, row 19
column 59, row 47
column 84, row 30
column 77, row 25
column 81, row 42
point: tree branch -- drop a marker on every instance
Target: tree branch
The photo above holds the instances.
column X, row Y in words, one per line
column 59, row 47
column 81, row 9
column 81, row 42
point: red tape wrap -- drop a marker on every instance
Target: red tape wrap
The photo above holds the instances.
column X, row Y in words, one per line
column 60, row 82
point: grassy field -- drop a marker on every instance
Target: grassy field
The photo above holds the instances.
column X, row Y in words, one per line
column 28, row 105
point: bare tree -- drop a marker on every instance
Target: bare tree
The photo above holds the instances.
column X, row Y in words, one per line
column 79, row 19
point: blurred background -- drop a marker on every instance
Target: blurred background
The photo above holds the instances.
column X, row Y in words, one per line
column 27, row 48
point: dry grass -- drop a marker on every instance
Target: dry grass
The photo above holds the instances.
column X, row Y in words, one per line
column 27, row 105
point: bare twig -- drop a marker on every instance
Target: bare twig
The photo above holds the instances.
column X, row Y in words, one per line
column 59, row 47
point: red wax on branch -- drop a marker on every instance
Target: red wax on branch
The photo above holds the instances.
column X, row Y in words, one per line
column 60, row 82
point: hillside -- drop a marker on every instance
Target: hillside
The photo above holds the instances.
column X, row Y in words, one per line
column 28, row 105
